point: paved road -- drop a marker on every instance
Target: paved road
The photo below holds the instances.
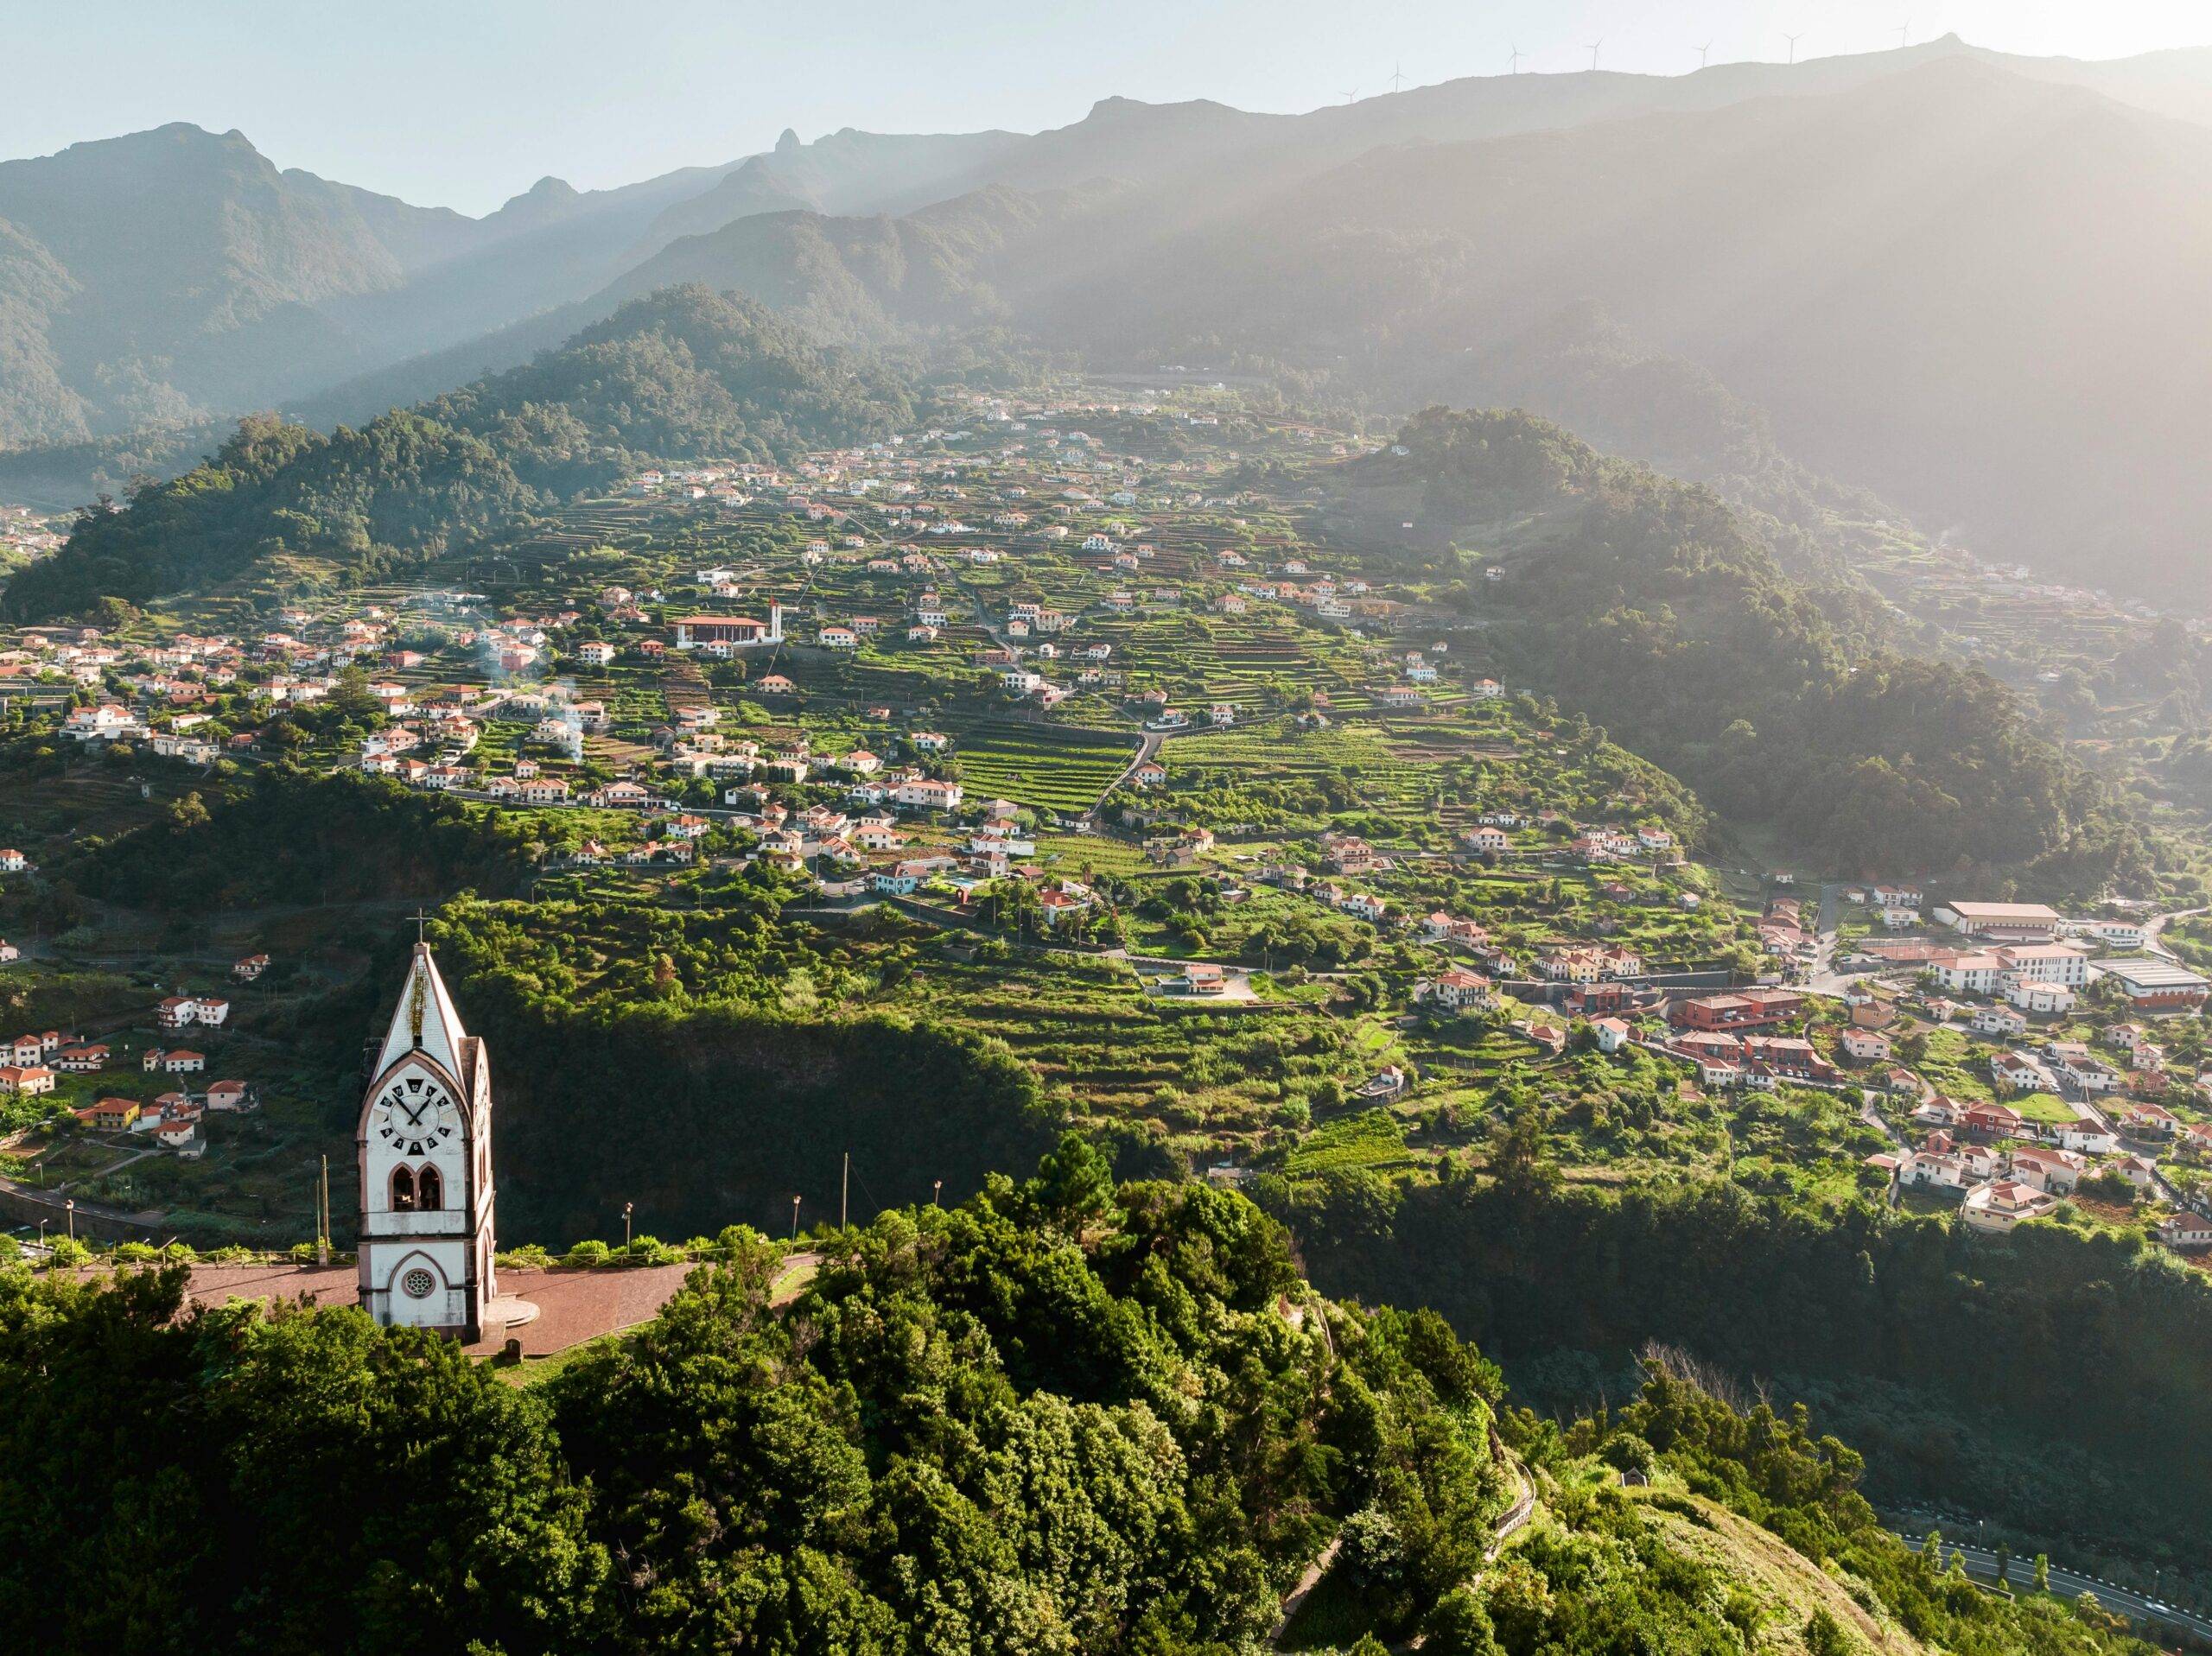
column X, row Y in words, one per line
column 1146, row 748
column 1823, row 978
column 2157, row 924
column 2065, row 1582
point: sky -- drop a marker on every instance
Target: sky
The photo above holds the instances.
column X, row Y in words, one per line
column 465, row 102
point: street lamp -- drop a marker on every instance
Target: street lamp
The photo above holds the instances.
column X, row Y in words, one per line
column 70, row 1206
column 794, row 1219
column 936, row 1190
column 626, row 1229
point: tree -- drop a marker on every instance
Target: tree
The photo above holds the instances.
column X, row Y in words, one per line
column 1074, row 1183
column 1519, row 1159
column 1824, row 1636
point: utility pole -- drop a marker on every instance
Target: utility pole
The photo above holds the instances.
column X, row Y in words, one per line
column 844, row 1189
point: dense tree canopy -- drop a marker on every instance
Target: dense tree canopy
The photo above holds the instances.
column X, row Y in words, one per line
column 1651, row 605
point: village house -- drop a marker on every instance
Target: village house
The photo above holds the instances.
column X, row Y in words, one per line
column 2138, row 1170
column 1455, row 991
column 927, row 793
column 2002, row 1204
column 2022, row 1071
column 111, row 1114
column 2005, row 1022
column 180, row 1011
column 2185, row 1229
column 1992, row 1120
column 2088, row 1135
column 1865, row 1046
column 1349, row 854
column 2056, row 1172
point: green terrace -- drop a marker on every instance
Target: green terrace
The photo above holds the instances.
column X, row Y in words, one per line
column 1051, row 767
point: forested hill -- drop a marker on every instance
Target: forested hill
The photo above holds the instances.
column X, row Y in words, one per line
column 676, row 373
column 1651, row 605
column 1063, row 1419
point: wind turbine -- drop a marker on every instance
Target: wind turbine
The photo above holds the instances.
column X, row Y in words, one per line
column 1397, row 80
column 1593, row 54
column 1515, row 55
column 1351, row 95
column 1904, row 30
column 1793, row 39
column 1701, row 51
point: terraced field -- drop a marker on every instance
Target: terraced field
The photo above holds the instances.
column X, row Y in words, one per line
column 1047, row 767
column 1205, row 1083
column 1279, row 749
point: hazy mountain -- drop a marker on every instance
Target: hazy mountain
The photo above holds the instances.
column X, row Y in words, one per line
column 1971, row 292
column 144, row 279
column 844, row 171
column 1962, row 280
column 849, row 278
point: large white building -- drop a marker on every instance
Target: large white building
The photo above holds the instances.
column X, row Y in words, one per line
column 425, row 1160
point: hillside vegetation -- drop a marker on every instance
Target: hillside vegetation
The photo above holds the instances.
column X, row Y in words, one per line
column 1761, row 1286
column 1063, row 1417
column 1651, row 605
column 679, row 373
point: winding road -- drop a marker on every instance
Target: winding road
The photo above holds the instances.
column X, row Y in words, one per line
column 2065, row 1582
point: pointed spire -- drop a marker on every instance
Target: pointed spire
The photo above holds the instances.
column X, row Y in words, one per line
column 425, row 1019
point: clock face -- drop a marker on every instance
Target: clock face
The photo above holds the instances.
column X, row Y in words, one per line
column 413, row 1115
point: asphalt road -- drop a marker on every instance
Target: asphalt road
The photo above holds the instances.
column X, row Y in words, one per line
column 2022, row 1572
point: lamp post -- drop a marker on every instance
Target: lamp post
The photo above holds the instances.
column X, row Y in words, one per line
column 794, row 1219
column 626, row 1229
column 936, row 1191
column 70, row 1207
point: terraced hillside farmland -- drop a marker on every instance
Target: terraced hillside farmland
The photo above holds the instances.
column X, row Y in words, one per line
column 1047, row 767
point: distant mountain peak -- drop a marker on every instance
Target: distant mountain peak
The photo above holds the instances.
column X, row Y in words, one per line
column 789, row 144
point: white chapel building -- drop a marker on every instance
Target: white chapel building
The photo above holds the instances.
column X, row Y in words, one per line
column 425, row 1159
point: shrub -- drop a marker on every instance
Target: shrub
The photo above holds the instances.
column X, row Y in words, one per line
column 586, row 1253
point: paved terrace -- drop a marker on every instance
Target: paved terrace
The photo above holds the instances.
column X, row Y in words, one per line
column 573, row 1306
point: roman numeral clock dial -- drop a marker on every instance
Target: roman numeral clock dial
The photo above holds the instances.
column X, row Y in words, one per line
column 414, row 1116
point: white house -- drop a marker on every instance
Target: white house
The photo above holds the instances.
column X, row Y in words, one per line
column 2043, row 999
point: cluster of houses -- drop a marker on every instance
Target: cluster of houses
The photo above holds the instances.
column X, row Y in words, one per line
column 35, row 1061
column 2008, row 1168
column 174, row 1121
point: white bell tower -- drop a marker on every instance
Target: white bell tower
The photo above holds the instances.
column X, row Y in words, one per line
column 424, row 1145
